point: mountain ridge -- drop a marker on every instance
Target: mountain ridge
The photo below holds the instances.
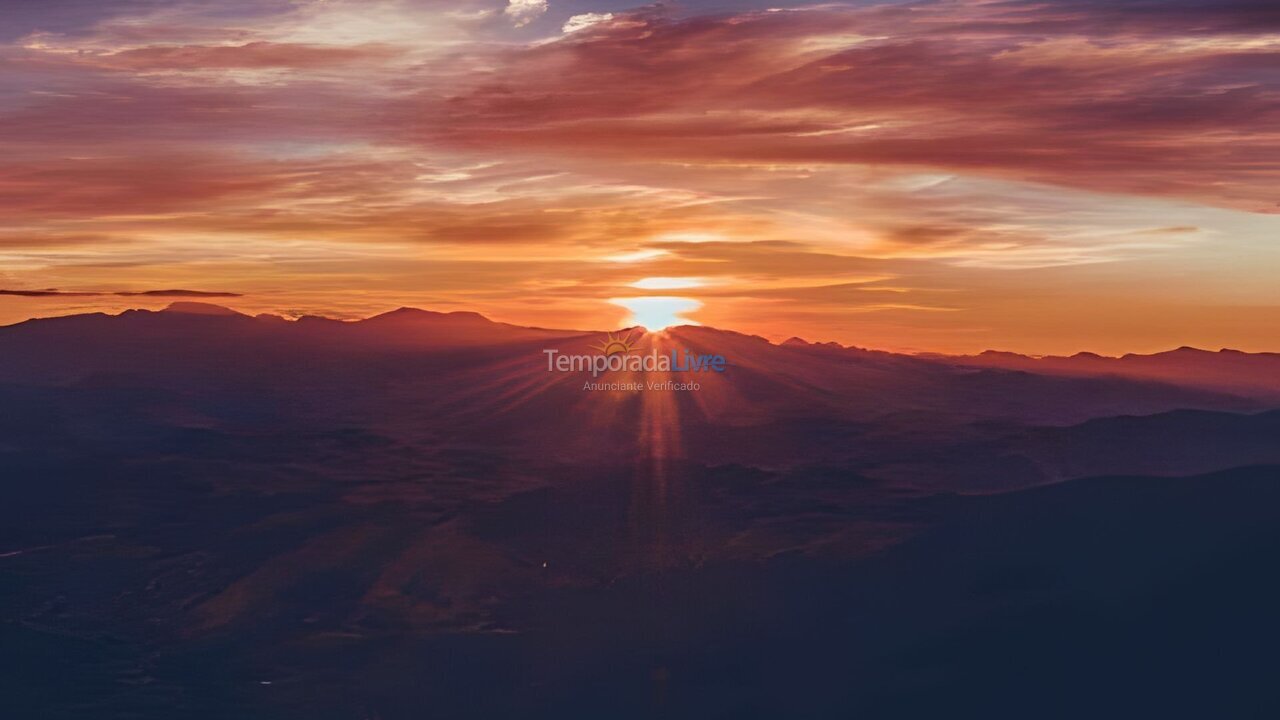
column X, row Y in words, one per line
column 403, row 313
column 870, row 373
column 462, row 366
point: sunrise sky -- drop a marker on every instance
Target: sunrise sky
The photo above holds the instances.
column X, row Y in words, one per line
column 1039, row 176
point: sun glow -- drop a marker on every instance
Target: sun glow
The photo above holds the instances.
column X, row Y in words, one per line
column 657, row 312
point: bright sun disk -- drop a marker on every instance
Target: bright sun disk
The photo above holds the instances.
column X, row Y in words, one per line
column 655, row 313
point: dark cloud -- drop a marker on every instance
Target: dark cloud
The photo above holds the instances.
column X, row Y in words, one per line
column 52, row 292
column 1051, row 93
column 22, row 17
column 179, row 293
column 71, row 17
column 1191, row 17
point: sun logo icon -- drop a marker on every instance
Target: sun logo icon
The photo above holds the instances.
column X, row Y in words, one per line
column 615, row 345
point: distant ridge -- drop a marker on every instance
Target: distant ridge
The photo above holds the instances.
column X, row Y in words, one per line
column 1184, row 350
column 412, row 314
column 1226, row 369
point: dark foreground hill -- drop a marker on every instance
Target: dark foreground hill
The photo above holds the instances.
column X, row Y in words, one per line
column 1110, row 597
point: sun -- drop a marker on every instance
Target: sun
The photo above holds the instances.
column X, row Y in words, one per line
column 615, row 344
column 657, row 312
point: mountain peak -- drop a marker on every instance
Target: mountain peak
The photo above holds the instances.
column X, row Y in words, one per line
column 706, row 331
column 188, row 307
column 412, row 313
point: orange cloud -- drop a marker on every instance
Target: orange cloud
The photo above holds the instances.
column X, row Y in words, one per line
column 254, row 55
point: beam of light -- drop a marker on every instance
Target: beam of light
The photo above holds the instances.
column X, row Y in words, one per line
column 668, row 283
column 656, row 312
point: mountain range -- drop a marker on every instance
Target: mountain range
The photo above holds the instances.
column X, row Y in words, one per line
column 1227, row 370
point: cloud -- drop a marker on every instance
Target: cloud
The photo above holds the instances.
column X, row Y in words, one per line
column 1118, row 97
column 523, row 12
column 48, row 293
column 964, row 87
column 51, row 292
column 584, row 21
column 254, row 55
column 178, row 293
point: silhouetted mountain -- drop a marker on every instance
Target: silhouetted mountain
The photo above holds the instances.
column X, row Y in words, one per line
column 200, row 308
column 412, row 374
column 1252, row 374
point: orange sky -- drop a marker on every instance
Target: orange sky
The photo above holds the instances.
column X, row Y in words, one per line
column 951, row 176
